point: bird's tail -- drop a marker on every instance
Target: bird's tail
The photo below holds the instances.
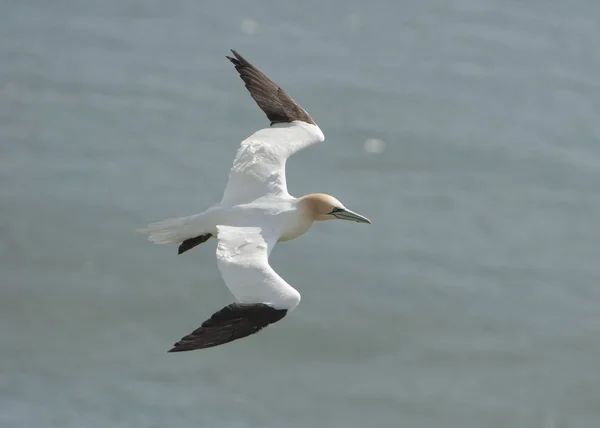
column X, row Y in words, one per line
column 171, row 231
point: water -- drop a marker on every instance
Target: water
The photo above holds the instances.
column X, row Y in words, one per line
column 472, row 300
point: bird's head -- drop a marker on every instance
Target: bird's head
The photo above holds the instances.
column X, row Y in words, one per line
column 320, row 207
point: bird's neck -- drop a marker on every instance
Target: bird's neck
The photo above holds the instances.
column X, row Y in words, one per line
column 308, row 207
column 300, row 223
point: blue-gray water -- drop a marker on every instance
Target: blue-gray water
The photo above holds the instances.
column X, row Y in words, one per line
column 473, row 299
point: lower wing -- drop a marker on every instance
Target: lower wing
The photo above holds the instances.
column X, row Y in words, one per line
column 263, row 296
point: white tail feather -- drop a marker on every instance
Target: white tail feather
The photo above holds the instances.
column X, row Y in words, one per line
column 171, row 231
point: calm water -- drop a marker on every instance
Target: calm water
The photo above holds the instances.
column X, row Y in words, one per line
column 472, row 301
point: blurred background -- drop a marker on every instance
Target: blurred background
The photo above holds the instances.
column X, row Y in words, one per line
column 466, row 130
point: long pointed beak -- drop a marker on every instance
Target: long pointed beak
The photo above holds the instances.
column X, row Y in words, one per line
column 346, row 214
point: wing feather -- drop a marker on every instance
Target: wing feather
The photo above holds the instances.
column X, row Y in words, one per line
column 259, row 166
column 243, row 260
column 272, row 100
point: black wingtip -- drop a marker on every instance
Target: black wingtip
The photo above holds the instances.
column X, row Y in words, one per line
column 233, row 322
column 180, row 346
column 272, row 100
column 239, row 60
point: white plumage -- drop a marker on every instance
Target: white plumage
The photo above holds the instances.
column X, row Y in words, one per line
column 243, row 260
column 256, row 212
column 259, row 165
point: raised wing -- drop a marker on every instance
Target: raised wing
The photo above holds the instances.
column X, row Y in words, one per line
column 243, row 260
column 277, row 105
column 263, row 296
column 259, row 166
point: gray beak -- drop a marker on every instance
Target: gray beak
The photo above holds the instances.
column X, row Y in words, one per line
column 345, row 214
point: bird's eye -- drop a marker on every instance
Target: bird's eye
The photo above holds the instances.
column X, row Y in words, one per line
column 336, row 210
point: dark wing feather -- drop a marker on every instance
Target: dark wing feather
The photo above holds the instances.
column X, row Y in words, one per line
column 190, row 243
column 230, row 323
column 277, row 105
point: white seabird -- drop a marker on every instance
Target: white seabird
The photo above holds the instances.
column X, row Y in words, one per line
column 255, row 213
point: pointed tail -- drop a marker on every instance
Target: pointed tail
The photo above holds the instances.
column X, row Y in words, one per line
column 171, row 231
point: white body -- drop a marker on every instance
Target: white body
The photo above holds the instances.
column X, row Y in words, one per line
column 256, row 212
column 280, row 213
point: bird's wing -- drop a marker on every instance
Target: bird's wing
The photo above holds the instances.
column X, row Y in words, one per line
column 243, row 260
column 263, row 296
column 277, row 105
column 259, row 165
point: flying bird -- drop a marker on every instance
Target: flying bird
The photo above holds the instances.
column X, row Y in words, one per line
column 255, row 213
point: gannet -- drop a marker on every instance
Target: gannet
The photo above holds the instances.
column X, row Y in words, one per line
column 255, row 213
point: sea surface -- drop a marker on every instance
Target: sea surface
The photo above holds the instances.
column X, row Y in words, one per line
column 467, row 130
